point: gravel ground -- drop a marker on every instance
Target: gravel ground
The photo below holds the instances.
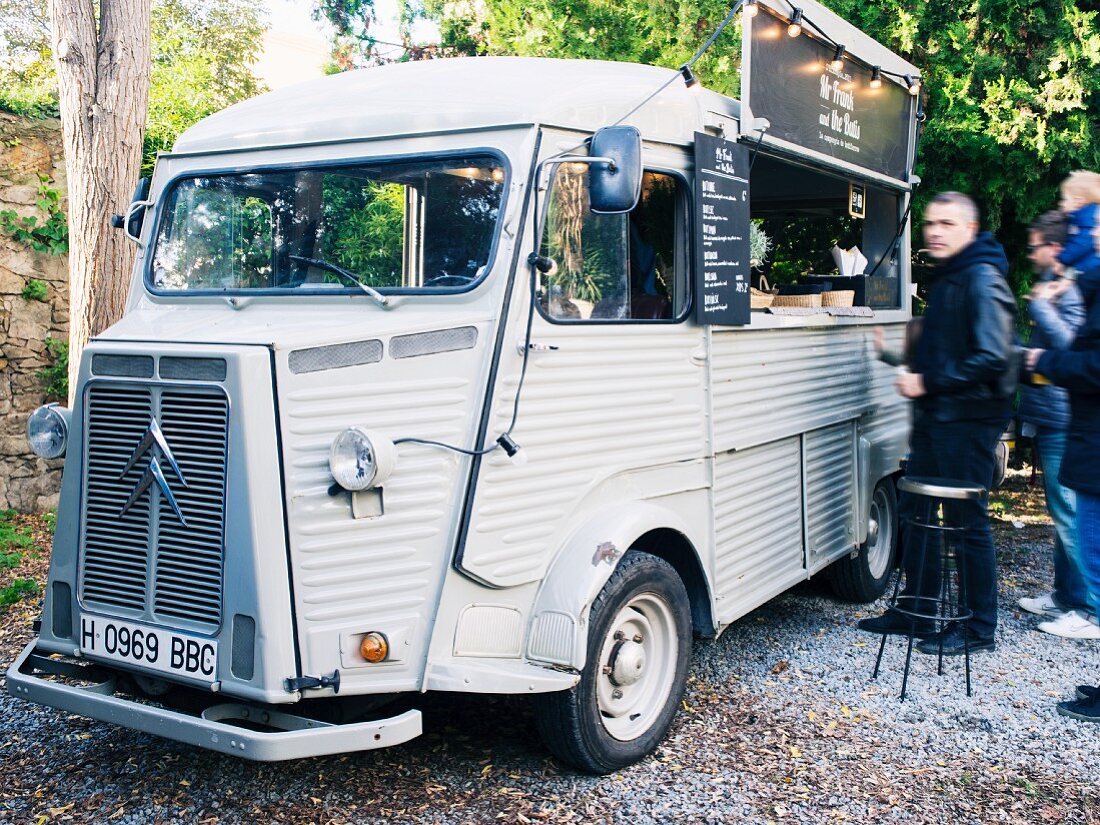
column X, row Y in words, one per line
column 781, row 722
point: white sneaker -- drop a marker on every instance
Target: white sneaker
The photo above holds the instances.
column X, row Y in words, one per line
column 1073, row 625
column 1043, row 606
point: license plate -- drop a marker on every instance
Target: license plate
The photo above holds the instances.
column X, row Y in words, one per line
column 156, row 648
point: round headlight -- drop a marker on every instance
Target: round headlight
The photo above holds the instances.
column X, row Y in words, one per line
column 360, row 459
column 48, row 430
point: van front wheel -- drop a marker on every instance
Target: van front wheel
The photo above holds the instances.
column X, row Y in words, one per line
column 639, row 643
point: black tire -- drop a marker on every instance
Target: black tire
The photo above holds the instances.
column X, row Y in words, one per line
column 602, row 739
column 863, row 578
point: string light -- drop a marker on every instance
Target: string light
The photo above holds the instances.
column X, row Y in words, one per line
column 837, row 63
column 795, row 27
column 751, row 8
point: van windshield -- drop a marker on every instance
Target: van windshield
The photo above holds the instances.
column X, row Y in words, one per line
column 423, row 225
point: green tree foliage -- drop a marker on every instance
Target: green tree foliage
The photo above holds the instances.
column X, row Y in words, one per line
column 203, row 51
column 1012, row 93
column 27, row 84
column 1012, row 87
column 658, row 32
column 354, row 23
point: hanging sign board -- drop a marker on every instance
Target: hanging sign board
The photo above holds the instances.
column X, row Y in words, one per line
column 857, row 200
column 721, row 231
column 835, row 112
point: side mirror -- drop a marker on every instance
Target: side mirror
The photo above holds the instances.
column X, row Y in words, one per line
column 135, row 217
column 615, row 187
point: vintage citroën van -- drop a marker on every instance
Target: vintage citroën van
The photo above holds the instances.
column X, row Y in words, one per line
column 445, row 376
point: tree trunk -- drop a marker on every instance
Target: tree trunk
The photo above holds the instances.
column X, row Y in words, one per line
column 103, row 79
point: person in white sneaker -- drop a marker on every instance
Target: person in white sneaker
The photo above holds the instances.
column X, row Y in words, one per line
column 1073, row 624
column 1056, row 312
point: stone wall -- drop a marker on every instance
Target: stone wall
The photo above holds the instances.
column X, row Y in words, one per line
column 27, row 149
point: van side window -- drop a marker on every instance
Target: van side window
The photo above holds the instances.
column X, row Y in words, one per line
column 630, row 267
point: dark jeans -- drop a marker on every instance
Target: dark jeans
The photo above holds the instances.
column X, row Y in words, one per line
column 961, row 451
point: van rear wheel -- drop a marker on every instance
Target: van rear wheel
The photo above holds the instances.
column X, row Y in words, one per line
column 863, row 577
column 639, row 643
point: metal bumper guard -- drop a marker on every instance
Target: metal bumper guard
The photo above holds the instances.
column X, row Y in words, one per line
column 295, row 737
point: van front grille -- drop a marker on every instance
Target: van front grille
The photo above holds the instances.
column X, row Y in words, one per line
column 149, row 446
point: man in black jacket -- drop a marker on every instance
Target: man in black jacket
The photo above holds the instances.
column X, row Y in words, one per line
column 1078, row 370
column 961, row 381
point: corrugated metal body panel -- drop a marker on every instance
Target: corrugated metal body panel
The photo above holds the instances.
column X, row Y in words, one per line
column 611, row 398
column 355, row 575
column 830, row 491
column 769, row 384
column 757, row 525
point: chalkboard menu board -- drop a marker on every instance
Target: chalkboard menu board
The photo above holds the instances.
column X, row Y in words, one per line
column 721, row 231
column 833, row 111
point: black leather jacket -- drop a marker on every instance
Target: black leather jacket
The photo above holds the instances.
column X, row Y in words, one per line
column 966, row 353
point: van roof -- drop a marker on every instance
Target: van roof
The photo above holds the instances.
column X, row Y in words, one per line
column 460, row 94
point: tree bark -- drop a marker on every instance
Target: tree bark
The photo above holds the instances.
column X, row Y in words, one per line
column 103, row 67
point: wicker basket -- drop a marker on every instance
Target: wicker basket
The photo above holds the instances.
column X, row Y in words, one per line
column 761, row 298
column 808, row 301
column 838, row 298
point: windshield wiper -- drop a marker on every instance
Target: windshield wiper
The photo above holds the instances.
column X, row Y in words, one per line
column 381, row 299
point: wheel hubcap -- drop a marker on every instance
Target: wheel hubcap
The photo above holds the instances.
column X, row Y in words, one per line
column 627, row 663
column 637, row 666
column 879, row 534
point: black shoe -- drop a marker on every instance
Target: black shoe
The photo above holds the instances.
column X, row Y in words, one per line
column 897, row 624
column 1087, row 710
column 1087, row 692
column 954, row 643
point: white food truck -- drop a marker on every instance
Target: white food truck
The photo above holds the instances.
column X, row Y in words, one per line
column 428, row 381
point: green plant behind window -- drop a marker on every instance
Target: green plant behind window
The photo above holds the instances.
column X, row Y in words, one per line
column 364, row 228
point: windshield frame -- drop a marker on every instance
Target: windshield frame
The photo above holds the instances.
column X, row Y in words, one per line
column 161, row 214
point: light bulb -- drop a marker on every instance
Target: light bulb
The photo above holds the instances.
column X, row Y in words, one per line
column 795, row 27
column 837, row 63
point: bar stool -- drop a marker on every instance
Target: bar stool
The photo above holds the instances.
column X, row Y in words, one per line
column 949, row 607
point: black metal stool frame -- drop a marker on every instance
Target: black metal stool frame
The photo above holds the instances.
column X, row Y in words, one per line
column 948, row 605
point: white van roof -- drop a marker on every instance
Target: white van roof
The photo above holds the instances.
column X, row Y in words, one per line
column 460, row 94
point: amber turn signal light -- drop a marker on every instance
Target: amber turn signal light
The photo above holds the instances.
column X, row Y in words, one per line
column 374, row 647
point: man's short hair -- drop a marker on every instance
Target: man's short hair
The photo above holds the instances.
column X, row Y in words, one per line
column 1050, row 226
column 964, row 202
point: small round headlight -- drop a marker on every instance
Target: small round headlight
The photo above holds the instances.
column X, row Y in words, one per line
column 360, row 459
column 48, row 430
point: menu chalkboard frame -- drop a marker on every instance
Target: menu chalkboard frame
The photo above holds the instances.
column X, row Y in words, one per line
column 721, row 232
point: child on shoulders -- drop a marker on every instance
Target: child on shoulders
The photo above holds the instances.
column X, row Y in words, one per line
column 1081, row 204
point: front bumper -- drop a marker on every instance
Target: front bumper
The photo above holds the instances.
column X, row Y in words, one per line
column 290, row 737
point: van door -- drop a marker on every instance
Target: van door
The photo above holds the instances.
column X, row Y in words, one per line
column 616, row 375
